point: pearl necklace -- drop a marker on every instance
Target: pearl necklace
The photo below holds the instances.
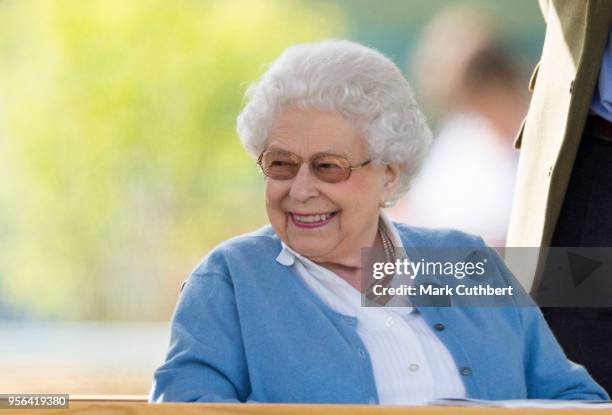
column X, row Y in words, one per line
column 388, row 248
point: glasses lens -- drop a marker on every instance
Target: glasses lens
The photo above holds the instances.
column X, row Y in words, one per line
column 280, row 165
column 331, row 168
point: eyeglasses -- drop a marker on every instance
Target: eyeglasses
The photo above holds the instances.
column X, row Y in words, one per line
column 284, row 165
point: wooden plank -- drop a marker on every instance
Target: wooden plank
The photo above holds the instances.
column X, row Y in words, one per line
column 125, row 407
column 106, row 398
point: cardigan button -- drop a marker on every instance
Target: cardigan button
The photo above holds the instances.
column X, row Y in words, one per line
column 466, row 371
column 372, row 400
column 362, row 353
column 439, row 327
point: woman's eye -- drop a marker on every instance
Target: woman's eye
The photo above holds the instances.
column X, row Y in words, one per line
column 327, row 166
column 279, row 163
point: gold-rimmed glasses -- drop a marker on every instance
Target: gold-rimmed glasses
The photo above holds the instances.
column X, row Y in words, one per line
column 284, row 165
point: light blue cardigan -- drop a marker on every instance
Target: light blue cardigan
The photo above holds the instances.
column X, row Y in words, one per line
column 246, row 328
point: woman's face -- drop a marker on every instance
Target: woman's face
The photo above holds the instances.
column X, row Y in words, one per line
column 292, row 204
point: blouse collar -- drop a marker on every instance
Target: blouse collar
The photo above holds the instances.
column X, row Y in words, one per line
column 288, row 256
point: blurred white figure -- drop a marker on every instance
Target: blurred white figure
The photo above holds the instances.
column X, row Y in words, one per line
column 466, row 182
column 469, row 81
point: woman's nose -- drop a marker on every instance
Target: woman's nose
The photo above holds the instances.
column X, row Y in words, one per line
column 304, row 184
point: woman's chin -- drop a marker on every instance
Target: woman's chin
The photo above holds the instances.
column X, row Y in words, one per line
column 311, row 249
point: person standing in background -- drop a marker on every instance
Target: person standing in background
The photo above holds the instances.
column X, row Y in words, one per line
column 471, row 82
column 564, row 184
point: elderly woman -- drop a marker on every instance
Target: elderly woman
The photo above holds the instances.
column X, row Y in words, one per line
column 275, row 315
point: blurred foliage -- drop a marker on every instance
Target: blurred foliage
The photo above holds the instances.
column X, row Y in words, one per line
column 119, row 165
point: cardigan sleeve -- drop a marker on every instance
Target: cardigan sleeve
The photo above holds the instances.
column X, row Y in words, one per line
column 206, row 360
column 549, row 374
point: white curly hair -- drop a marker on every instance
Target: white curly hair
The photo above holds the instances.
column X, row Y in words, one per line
column 356, row 81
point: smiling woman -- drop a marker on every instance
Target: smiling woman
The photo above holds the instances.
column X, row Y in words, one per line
column 328, row 222
column 276, row 316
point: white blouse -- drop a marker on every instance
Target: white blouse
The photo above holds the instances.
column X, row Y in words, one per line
column 410, row 364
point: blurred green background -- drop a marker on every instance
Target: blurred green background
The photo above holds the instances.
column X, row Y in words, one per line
column 119, row 164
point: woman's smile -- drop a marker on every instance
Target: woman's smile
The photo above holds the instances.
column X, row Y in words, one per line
column 309, row 221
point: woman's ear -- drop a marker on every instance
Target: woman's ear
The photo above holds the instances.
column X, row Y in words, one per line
column 392, row 175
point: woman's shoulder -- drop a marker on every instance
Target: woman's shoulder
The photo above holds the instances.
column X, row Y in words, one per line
column 436, row 237
column 263, row 235
column 260, row 243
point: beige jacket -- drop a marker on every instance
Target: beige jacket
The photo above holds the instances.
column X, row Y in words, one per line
column 562, row 86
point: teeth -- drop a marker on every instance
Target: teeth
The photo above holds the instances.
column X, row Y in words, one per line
column 312, row 218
